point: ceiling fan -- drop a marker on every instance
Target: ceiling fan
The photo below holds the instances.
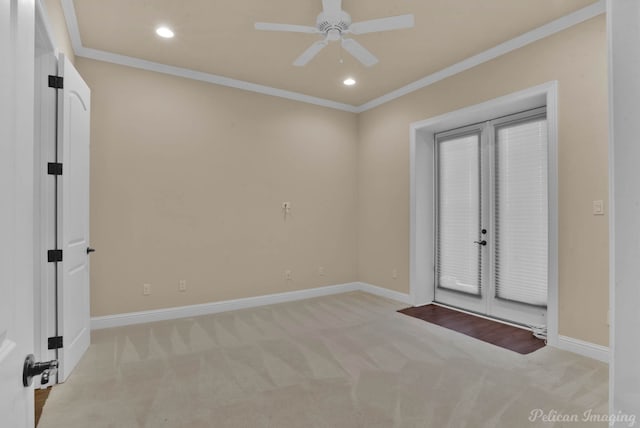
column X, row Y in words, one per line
column 334, row 23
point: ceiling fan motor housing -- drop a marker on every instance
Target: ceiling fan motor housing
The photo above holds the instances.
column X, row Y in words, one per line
column 333, row 26
column 334, row 23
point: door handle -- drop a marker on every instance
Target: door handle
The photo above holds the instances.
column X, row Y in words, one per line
column 483, row 242
column 90, row 250
column 32, row 369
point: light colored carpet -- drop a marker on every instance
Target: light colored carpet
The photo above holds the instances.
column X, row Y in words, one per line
column 341, row 361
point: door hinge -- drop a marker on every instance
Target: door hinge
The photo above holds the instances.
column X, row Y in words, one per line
column 54, row 256
column 55, row 342
column 56, row 82
column 54, row 168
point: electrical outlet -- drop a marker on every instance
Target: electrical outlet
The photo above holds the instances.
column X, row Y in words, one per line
column 288, row 275
column 146, row 289
column 182, row 286
column 598, row 207
column 321, row 271
column 394, row 274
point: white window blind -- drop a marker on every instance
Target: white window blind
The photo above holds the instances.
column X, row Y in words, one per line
column 459, row 260
column 521, row 212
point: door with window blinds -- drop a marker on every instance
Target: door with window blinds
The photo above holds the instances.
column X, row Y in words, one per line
column 492, row 218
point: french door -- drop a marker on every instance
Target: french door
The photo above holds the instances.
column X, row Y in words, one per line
column 492, row 218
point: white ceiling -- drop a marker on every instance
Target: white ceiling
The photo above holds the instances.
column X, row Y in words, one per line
column 217, row 37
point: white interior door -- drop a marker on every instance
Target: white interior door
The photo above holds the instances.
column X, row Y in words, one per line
column 16, row 209
column 492, row 218
column 73, row 217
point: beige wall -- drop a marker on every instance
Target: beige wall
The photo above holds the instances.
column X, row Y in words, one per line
column 59, row 28
column 577, row 59
column 187, row 182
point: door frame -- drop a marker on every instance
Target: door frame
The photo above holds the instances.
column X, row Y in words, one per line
column 423, row 187
column 45, row 293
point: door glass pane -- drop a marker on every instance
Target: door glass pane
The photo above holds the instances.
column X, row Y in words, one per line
column 459, row 261
column 521, row 212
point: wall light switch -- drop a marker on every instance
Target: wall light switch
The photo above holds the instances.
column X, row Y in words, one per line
column 598, row 208
column 146, row 289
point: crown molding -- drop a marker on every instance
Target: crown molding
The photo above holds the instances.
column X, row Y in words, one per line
column 518, row 42
column 100, row 55
column 209, row 78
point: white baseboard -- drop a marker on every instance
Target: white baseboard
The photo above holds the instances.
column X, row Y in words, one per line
column 591, row 350
column 587, row 349
column 386, row 293
column 131, row 318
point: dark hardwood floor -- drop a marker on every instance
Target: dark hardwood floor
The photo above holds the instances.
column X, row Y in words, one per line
column 496, row 333
column 41, row 396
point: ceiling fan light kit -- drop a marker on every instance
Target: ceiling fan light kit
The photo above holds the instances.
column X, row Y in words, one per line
column 334, row 23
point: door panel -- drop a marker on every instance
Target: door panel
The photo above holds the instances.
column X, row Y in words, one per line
column 17, row 212
column 459, row 214
column 73, row 217
column 521, row 220
column 459, row 260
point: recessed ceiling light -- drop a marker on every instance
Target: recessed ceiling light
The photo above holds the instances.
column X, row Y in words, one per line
column 350, row 81
column 164, row 32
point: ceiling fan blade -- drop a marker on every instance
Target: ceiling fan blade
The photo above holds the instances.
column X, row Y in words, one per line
column 332, row 7
column 383, row 24
column 310, row 53
column 267, row 26
column 359, row 52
